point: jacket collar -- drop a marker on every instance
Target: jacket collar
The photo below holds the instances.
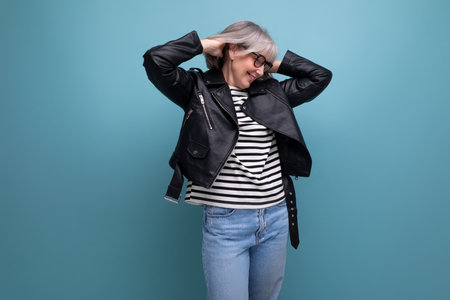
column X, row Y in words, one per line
column 214, row 77
column 257, row 105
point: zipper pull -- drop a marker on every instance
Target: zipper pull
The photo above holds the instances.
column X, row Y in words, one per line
column 187, row 116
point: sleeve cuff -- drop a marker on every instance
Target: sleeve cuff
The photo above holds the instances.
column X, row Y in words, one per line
column 284, row 65
column 197, row 41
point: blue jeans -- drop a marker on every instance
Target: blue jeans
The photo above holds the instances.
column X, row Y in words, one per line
column 244, row 252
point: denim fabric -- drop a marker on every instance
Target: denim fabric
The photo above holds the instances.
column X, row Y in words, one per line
column 244, row 252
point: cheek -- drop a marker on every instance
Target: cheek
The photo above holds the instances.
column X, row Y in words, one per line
column 245, row 64
column 239, row 70
column 245, row 68
column 241, row 67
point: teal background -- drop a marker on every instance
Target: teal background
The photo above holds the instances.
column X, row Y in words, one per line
column 86, row 139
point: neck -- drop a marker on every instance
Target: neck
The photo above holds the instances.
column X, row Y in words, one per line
column 227, row 74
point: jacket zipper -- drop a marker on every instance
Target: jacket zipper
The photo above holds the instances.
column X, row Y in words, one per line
column 202, row 101
column 218, row 102
column 187, row 116
column 234, row 143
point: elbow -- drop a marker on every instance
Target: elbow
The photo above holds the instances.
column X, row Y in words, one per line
column 154, row 64
column 149, row 57
column 151, row 66
column 329, row 75
column 324, row 78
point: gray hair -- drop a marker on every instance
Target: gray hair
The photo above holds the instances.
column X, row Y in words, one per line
column 248, row 35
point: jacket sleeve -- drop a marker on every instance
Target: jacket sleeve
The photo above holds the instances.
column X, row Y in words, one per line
column 307, row 80
column 161, row 64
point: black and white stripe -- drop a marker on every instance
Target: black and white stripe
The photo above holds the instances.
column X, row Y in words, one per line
column 251, row 177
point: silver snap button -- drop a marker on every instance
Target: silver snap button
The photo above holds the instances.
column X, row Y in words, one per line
column 195, row 151
column 290, row 193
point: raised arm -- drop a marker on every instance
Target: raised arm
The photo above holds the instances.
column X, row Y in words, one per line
column 161, row 64
column 307, row 80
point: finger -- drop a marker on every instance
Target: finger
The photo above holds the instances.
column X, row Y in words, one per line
column 220, row 49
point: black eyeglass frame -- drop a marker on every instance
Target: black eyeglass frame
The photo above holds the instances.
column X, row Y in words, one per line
column 257, row 63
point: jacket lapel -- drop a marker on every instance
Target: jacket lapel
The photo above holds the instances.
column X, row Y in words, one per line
column 270, row 109
column 263, row 105
column 221, row 93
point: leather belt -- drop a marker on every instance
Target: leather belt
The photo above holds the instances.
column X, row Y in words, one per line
column 292, row 210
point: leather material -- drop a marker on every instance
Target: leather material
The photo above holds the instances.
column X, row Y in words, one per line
column 210, row 130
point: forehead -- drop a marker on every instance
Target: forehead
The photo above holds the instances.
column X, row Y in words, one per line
column 267, row 52
column 250, row 49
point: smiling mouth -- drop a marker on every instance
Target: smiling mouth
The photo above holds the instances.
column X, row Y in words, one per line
column 251, row 76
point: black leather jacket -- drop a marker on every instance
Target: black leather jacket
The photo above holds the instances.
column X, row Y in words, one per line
column 210, row 130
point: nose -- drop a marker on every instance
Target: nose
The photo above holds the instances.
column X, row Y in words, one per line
column 260, row 71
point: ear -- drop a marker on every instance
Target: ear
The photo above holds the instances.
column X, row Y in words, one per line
column 232, row 49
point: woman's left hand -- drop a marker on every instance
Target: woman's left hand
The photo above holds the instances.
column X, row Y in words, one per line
column 275, row 66
column 212, row 47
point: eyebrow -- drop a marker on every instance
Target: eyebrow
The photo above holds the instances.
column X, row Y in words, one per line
column 267, row 61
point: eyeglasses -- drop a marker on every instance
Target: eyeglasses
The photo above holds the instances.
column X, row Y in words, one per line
column 261, row 60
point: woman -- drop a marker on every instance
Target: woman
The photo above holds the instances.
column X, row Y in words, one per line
column 238, row 146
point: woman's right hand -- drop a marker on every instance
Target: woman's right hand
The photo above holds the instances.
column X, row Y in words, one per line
column 212, row 47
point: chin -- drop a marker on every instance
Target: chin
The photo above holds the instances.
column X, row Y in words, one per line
column 243, row 86
column 246, row 85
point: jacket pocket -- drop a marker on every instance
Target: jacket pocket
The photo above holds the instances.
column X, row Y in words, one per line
column 197, row 150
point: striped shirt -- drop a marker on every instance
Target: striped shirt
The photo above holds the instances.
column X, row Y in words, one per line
column 251, row 177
